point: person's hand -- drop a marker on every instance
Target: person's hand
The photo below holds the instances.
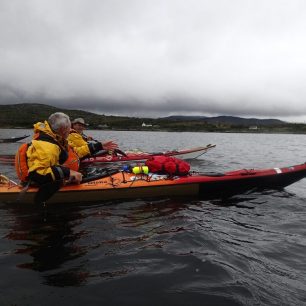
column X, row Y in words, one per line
column 109, row 145
column 75, row 177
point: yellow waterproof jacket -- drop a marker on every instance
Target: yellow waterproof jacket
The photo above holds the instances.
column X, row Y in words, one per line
column 47, row 152
column 79, row 145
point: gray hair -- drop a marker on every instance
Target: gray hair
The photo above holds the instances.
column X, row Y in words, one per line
column 59, row 120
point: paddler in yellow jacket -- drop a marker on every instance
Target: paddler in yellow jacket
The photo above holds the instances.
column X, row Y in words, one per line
column 47, row 153
column 84, row 145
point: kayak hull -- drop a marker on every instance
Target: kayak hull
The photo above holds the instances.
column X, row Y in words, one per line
column 13, row 139
column 221, row 189
column 127, row 186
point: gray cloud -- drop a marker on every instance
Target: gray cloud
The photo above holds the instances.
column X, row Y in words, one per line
column 154, row 58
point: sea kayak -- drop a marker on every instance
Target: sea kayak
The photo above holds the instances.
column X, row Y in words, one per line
column 131, row 156
column 122, row 185
column 13, row 139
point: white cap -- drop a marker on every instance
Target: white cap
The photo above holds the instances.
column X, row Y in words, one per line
column 80, row 121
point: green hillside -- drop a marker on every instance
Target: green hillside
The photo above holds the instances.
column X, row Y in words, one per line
column 25, row 115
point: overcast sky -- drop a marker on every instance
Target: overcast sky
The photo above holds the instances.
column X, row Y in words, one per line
column 153, row 58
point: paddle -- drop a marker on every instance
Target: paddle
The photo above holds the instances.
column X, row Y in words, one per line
column 46, row 191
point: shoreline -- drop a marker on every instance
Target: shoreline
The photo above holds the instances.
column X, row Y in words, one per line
column 182, row 131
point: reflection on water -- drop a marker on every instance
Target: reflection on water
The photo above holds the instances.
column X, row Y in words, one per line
column 52, row 237
column 49, row 237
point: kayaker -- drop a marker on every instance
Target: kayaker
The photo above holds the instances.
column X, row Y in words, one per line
column 85, row 145
column 46, row 154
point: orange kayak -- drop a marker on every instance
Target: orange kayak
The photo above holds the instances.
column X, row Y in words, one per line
column 124, row 185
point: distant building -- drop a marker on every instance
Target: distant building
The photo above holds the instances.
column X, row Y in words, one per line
column 253, row 127
column 102, row 126
column 146, row 125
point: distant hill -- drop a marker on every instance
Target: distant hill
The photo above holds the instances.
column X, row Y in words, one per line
column 25, row 115
column 229, row 120
column 185, row 118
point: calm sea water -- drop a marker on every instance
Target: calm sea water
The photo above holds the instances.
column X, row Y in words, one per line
column 249, row 250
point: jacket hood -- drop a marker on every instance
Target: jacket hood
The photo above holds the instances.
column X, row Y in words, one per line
column 45, row 128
